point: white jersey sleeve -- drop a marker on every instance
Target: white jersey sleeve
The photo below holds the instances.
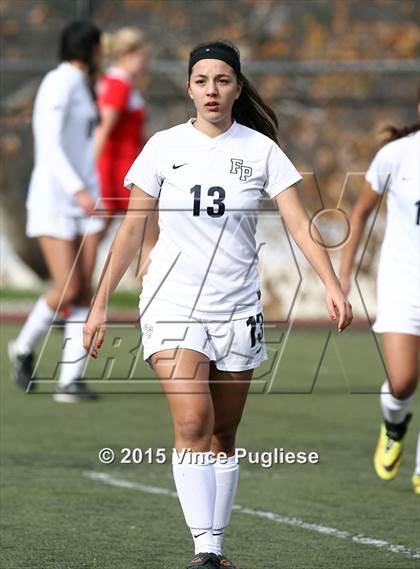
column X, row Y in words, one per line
column 281, row 174
column 380, row 170
column 145, row 172
column 54, row 106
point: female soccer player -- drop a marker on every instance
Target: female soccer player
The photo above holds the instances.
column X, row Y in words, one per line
column 120, row 134
column 200, row 308
column 62, row 196
column 394, row 170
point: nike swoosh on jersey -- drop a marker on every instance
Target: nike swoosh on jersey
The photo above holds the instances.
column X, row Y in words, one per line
column 179, row 165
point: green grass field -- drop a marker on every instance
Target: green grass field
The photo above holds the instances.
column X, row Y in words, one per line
column 55, row 515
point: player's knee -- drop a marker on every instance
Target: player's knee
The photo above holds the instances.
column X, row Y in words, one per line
column 404, row 390
column 64, row 296
column 193, row 428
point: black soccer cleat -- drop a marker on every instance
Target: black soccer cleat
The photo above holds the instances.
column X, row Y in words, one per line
column 225, row 563
column 22, row 368
column 74, row 393
column 204, row 561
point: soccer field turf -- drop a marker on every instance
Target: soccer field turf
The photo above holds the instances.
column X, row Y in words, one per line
column 63, row 509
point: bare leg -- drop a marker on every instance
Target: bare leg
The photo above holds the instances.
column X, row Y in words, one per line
column 402, row 361
column 184, row 376
column 229, row 390
column 60, row 256
column 88, row 249
column 74, row 355
column 187, row 391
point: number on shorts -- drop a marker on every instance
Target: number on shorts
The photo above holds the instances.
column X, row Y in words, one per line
column 418, row 212
column 256, row 334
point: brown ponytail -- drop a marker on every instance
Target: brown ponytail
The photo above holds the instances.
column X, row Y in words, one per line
column 251, row 111
column 393, row 133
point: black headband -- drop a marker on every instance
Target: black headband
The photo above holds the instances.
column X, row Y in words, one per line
column 216, row 51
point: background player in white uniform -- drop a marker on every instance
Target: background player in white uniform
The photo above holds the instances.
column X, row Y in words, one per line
column 200, row 307
column 62, row 196
column 395, row 172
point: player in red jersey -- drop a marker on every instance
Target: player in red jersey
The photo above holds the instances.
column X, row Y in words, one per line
column 120, row 135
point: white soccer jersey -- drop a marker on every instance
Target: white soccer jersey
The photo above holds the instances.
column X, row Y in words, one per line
column 209, row 191
column 64, row 119
column 396, row 170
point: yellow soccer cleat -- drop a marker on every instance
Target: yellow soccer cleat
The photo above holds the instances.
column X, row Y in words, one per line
column 389, row 450
column 415, row 480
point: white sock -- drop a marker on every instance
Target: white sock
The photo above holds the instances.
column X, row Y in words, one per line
column 417, row 470
column 227, row 475
column 196, row 486
column 37, row 323
column 74, row 354
column 394, row 410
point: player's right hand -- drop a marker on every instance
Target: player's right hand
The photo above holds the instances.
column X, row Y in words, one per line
column 94, row 331
column 85, row 201
column 339, row 307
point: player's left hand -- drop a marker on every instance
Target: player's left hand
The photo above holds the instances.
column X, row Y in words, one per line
column 94, row 331
column 339, row 307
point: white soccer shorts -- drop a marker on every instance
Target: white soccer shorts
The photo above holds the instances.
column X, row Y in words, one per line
column 61, row 226
column 397, row 316
column 233, row 344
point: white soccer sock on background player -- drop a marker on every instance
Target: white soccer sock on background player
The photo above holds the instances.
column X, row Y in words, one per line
column 394, row 410
column 196, row 486
column 74, row 354
column 417, row 470
column 227, row 475
column 37, row 323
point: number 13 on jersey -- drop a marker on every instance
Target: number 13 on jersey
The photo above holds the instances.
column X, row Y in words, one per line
column 218, row 194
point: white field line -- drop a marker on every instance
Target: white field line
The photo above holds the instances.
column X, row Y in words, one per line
column 296, row 522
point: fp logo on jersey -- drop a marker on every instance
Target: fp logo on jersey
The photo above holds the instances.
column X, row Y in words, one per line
column 238, row 166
